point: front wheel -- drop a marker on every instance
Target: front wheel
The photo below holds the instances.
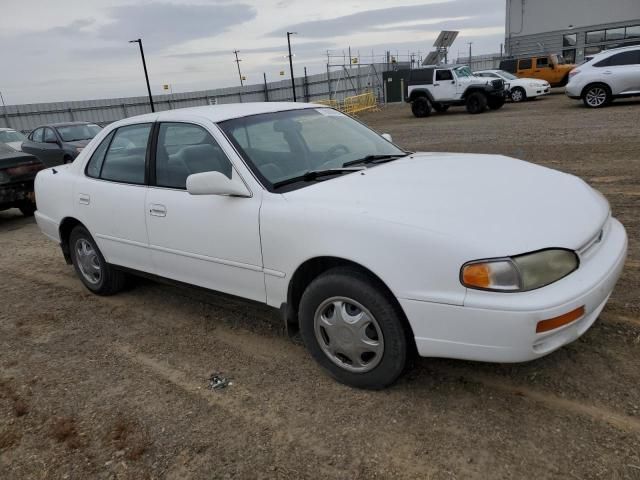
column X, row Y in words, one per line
column 518, row 95
column 353, row 329
column 93, row 270
column 476, row 103
column 420, row 107
column 27, row 208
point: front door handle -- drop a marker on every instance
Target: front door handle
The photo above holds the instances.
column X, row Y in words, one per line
column 157, row 210
column 84, row 199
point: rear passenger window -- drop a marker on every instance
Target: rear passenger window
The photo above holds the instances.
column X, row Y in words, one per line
column 125, row 158
column 542, row 62
column 524, row 64
column 95, row 164
column 625, row 58
column 444, row 75
column 184, row 149
column 37, row 135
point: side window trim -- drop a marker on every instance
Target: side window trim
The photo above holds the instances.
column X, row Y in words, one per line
column 113, row 134
column 156, row 132
column 109, row 136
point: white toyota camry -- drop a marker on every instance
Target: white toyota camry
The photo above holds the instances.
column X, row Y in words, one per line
column 371, row 251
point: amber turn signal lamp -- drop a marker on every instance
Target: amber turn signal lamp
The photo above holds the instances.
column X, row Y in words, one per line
column 557, row 322
column 476, row 275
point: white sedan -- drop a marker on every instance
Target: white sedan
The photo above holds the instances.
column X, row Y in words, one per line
column 521, row 89
column 370, row 250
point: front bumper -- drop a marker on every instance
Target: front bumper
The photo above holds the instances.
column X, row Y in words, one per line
column 16, row 193
column 573, row 91
column 501, row 327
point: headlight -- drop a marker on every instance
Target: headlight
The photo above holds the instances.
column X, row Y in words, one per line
column 519, row 273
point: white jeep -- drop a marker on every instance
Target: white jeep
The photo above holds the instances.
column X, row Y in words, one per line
column 440, row 87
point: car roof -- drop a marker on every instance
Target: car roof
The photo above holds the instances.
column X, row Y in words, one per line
column 218, row 113
column 62, row 124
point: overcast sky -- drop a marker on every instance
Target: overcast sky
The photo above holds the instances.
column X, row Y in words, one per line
column 77, row 49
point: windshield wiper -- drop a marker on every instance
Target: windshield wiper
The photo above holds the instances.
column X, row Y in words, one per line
column 312, row 175
column 375, row 159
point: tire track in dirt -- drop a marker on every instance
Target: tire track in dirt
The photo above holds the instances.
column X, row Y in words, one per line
column 281, row 351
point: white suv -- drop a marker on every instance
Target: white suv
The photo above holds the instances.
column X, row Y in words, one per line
column 608, row 75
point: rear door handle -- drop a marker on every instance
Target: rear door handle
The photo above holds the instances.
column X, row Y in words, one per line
column 84, row 199
column 157, row 210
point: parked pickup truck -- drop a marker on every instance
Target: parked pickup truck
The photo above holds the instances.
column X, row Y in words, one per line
column 552, row 68
column 17, row 172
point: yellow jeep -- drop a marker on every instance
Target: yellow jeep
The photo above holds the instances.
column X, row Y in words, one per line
column 551, row 68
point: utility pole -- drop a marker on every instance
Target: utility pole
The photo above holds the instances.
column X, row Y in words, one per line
column 293, row 81
column 238, row 60
column 146, row 75
column 266, row 87
column 470, row 43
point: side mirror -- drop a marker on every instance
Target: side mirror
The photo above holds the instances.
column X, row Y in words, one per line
column 215, row 183
column 387, row 137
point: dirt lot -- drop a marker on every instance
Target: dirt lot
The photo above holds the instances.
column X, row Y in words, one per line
column 116, row 387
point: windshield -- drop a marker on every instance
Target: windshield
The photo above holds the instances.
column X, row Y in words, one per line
column 463, row 71
column 94, row 128
column 7, row 136
column 284, row 145
column 71, row 133
column 507, row 75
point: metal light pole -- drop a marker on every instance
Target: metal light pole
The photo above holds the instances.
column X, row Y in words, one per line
column 238, row 60
column 293, row 82
column 146, row 75
column 470, row 43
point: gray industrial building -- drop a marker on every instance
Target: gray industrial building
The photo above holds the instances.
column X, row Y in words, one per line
column 574, row 28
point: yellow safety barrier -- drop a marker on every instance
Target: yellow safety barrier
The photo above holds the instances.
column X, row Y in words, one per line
column 360, row 103
column 355, row 104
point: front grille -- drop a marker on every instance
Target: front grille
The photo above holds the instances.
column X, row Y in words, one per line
column 497, row 84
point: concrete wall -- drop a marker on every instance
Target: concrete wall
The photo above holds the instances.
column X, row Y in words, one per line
column 529, row 17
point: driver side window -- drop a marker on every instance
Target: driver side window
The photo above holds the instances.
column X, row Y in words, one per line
column 184, row 149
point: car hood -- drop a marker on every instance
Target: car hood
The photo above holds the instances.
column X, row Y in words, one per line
column 494, row 204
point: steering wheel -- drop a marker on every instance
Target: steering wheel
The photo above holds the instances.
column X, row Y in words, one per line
column 331, row 156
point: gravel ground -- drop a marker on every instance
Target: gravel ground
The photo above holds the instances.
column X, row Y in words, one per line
column 116, row 387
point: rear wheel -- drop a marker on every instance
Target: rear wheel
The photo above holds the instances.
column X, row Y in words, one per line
column 420, row 107
column 93, row 270
column 496, row 103
column 353, row 329
column 518, row 95
column 596, row 96
column 476, row 103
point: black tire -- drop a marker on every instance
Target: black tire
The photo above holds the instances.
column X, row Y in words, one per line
column 518, row 94
column 27, row 208
column 476, row 103
column 420, row 107
column 111, row 280
column 353, row 285
column 440, row 108
column 495, row 103
column 596, row 95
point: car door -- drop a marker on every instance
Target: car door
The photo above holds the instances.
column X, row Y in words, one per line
column 208, row 240
column 51, row 149
column 622, row 72
column 36, row 146
column 445, row 85
column 109, row 198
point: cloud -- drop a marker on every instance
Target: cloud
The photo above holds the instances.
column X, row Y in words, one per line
column 161, row 25
column 369, row 20
column 305, row 47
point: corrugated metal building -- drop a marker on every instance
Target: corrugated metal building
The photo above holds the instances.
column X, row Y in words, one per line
column 574, row 28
